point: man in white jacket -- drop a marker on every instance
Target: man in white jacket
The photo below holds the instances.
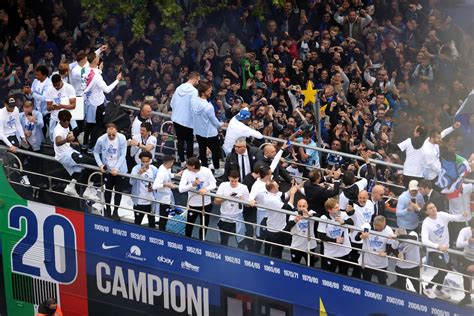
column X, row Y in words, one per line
column 435, row 235
column 430, row 151
column 94, row 94
column 182, row 117
column 238, row 128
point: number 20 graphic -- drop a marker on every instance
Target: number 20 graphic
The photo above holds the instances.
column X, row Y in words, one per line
column 30, row 238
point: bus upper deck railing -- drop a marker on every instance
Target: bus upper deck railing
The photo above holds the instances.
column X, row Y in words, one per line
column 309, row 252
column 319, row 149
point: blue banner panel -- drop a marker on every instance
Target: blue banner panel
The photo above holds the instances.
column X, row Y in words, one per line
column 139, row 265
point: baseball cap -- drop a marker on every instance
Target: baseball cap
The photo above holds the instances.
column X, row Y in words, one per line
column 11, row 102
column 243, row 115
column 413, row 185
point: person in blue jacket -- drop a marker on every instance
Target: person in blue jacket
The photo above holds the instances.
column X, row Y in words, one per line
column 110, row 155
column 206, row 127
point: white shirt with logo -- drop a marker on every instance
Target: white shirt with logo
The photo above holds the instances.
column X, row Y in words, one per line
column 65, row 149
column 231, row 209
column 145, row 195
column 333, row 231
column 135, row 151
column 112, row 152
column 59, row 97
column 300, row 231
column 361, row 216
column 434, row 232
column 374, row 245
column 10, row 125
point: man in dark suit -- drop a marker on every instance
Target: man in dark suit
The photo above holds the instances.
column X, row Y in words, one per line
column 267, row 155
column 377, row 194
column 242, row 158
column 317, row 190
column 430, row 195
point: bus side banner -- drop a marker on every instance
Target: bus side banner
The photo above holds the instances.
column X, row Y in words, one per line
column 150, row 271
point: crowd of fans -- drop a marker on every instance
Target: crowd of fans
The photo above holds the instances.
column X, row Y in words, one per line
column 381, row 71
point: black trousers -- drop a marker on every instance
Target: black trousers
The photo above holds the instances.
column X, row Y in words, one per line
column 193, row 215
column 438, row 262
column 164, row 212
column 354, row 257
column 213, row 143
column 279, row 238
column 413, row 272
column 85, row 173
column 381, row 276
column 332, row 265
column 139, row 215
column 115, row 183
column 87, row 132
column 297, row 255
column 250, row 215
column 226, row 227
column 263, row 236
column 463, row 266
column 184, row 135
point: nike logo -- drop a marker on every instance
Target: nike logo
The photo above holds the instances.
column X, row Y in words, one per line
column 105, row 247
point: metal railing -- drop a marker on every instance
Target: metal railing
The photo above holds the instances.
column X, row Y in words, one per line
column 316, row 148
column 202, row 226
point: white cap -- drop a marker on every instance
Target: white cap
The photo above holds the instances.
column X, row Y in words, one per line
column 413, row 185
column 414, row 233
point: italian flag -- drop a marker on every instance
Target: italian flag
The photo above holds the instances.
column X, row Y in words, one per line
column 28, row 260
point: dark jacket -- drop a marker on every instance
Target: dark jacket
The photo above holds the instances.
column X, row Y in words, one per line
column 317, row 195
column 279, row 170
column 379, row 208
column 232, row 161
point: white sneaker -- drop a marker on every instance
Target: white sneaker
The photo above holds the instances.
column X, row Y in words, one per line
column 71, row 190
column 183, row 164
column 25, row 181
column 90, row 193
column 441, row 295
column 218, row 173
column 429, row 292
column 97, row 209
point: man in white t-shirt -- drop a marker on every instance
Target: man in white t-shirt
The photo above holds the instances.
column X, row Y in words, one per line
column 163, row 185
column 143, row 195
column 435, row 235
column 70, row 158
column 361, row 212
column 144, row 141
column 335, row 237
column 465, row 241
column 144, row 116
column 231, row 211
column 302, row 231
column 413, row 165
column 257, row 197
column 375, row 248
column 60, row 96
column 11, row 131
column 197, row 178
